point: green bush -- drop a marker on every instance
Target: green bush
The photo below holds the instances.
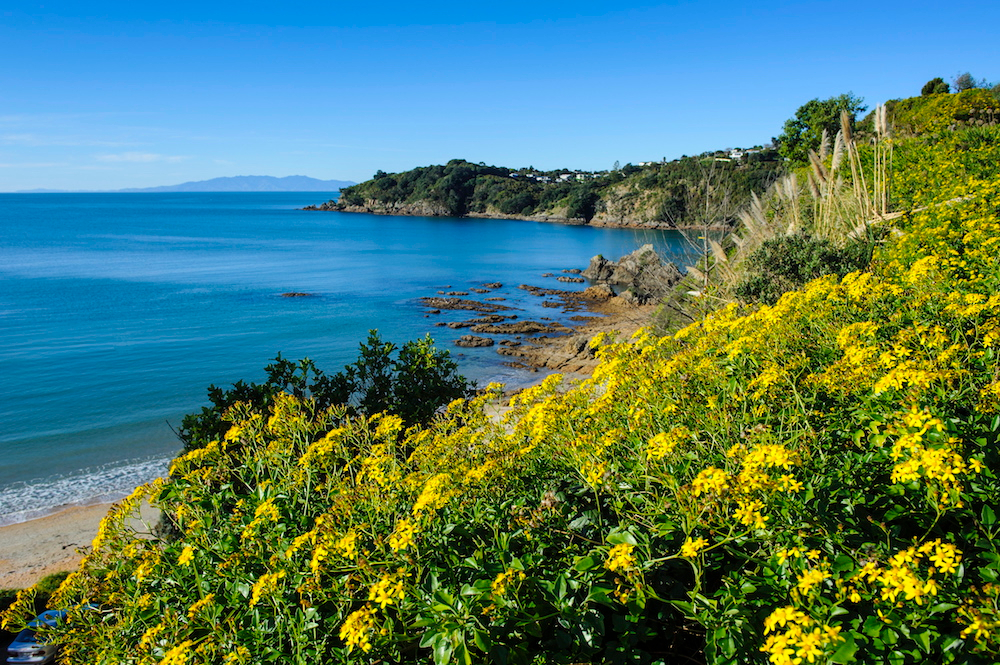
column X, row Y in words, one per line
column 786, row 263
column 413, row 384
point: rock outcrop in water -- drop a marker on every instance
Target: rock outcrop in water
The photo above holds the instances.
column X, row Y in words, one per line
column 641, row 276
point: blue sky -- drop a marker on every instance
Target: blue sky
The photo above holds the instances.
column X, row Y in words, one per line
column 108, row 95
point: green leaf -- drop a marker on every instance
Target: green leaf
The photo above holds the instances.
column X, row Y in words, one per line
column 621, row 538
column 600, row 593
column 482, row 640
column 923, row 640
column 585, row 563
column 943, row 607
column 442, row 650
column 845, row 652
column 989, row 516
column 462, row 654
column 872, row 626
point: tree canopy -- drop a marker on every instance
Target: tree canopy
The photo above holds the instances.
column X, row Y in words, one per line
column 804, row 132
column 935, row 86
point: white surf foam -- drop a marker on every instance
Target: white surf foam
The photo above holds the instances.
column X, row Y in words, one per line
column 25, row 501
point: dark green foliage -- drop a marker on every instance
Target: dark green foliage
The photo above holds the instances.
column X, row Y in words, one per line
column 804, row 132
column 787, row 263
column 935, row 86
column 582, row 202
column 412, row 385
column 462, row 188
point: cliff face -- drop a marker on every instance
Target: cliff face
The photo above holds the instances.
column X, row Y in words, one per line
column 627, row 205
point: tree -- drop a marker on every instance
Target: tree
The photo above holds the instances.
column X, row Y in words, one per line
column 804, row 132
column 935, row 86
column 413, row 385
column 583, row 202
column 967, row 81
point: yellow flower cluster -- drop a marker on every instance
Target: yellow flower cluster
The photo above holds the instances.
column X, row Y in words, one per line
column 710, row 481
column 664, row 443
column 357, row 629
column 620, row 557
column 922, row 450
column 902, row 576
column 402, row 537
column 389, row 589
column 265, row 585
column 691, row 548
column 793, row 637
column 498, row 587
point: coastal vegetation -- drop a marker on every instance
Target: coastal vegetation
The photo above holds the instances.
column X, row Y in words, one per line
column 803, row 478
column 654, row 193
column 412, row 384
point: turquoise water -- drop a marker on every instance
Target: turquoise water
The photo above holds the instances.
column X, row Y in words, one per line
column 118, row 310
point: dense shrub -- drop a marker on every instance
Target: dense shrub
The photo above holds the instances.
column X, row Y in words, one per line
column 413, row 385
column 786, row 263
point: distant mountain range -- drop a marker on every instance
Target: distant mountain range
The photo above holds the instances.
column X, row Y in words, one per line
column 240, row 183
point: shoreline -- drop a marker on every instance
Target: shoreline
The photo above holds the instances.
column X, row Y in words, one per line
column 57, row 541
column 414, row 210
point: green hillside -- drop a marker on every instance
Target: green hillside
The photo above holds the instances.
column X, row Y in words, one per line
column 660, row 193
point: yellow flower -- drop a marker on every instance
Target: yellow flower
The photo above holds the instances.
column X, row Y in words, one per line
column 402, row 537
column 499, row 585
column 187, row 554
column 691, row 548
column 178, row 655
column 811, row 578
column 387, row 591
column 710, row 480
column 200, row 605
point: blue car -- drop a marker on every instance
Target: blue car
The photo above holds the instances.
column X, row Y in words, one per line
column 26, row 648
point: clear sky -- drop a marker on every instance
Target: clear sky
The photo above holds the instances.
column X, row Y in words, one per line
column 108, row 95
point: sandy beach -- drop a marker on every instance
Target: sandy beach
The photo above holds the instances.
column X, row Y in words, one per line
column 36, row 548
column 31, row 550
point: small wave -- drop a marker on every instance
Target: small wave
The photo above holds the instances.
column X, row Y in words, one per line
column 21, row 502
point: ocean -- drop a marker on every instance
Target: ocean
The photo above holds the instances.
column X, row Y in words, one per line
column 118, row 310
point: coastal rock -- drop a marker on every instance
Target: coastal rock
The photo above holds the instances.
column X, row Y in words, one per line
column 642, row 272
column 573, row 280
column 457, row 293
column 598, row 292
column 493, row 285
column 297, row 294
column 539, row 291
column 573, row 271
column 519, row 328
column 471, row 341
column 492, row 318
column 458, row 303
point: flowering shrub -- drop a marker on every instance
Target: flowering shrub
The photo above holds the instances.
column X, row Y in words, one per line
column 809, row 482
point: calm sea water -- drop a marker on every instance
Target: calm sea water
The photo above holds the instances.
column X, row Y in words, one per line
column 118, row 310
